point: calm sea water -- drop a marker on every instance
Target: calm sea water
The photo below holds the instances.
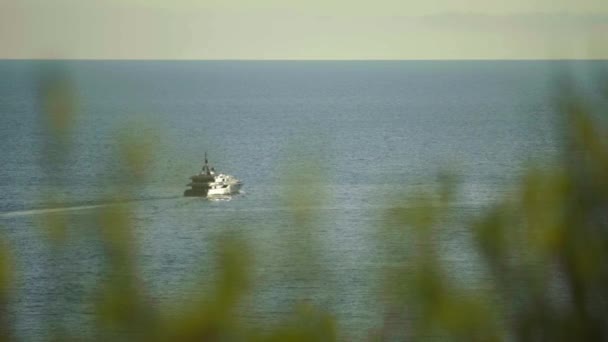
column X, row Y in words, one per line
column 360, row 134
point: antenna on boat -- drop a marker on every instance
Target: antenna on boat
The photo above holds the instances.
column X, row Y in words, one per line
column 206, row 166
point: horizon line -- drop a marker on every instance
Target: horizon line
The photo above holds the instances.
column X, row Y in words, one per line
column 310, row 59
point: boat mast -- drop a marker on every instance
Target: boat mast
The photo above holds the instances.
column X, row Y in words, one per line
column 206, row 165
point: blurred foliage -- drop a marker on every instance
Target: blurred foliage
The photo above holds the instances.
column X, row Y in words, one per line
column 544, row 251
column 5, row 287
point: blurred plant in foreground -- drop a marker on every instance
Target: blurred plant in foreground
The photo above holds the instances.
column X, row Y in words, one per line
column 5, row 283
column 544, row 251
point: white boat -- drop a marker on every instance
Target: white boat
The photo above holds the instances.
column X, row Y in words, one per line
column 224, row 185
column 210, row 184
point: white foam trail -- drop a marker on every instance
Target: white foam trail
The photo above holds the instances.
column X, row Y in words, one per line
column 77, row 208
column 49, row 210
column 217, row 198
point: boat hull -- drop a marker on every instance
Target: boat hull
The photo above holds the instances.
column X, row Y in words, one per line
column 196, row 192
column 230, row 189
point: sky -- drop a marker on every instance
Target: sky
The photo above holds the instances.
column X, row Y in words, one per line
column 313, row 29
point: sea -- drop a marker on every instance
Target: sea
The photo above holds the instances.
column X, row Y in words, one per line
column 325, row 151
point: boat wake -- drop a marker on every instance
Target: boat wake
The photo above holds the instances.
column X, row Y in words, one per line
column 81, row 207
column 49, row 210
column 219, row 198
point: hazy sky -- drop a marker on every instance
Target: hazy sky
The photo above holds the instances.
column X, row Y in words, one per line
column 330, row 29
